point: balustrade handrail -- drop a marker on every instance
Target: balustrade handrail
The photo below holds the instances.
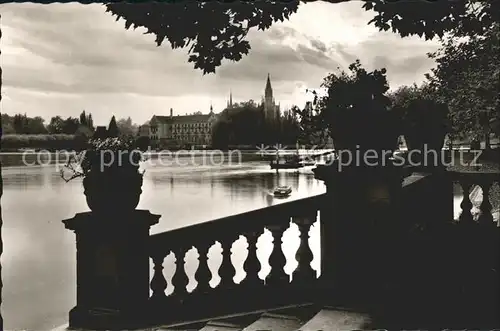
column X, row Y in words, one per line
column 490, row 174
column 255, row 219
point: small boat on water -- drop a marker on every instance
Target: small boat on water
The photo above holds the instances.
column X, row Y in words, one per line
column 282, row 191
column 286, row 165
column 291, row 164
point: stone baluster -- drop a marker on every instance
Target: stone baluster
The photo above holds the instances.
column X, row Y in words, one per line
column 466, row 204
column 203, row 274
column 486, row 254
column 304, row 255
column 252, row 264
column 226, row 270
column 277, row 260
column 158, row 282
column 486, row 218
column 180, row 279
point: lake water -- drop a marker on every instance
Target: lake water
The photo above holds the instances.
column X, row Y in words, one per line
column 39, row 253
column 39, row 263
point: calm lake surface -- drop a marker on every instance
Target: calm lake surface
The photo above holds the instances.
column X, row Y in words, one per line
column 39, row 262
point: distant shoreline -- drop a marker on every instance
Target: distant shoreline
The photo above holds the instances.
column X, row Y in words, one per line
column 19, row 159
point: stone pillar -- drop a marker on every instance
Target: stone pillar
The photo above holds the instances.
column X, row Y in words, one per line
column 112, row 269
column 359, row 223
column 440, row 197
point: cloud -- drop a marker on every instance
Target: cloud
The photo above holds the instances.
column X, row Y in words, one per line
column 319, row 45
column 59, row 59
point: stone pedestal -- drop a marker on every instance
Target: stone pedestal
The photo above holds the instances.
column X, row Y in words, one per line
column 112, row 269
column 359, row 229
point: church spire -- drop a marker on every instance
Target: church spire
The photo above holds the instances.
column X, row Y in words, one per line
column 230, row 102
column 269, row 89
column 268, row 83
column 211, row 108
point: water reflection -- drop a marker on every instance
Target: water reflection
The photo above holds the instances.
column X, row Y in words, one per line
column 23, row 181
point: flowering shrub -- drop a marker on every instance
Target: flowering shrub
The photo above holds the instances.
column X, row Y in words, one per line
column 111, row 154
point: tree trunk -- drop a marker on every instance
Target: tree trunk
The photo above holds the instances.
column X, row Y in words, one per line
column 450, row 143
column 487, row 143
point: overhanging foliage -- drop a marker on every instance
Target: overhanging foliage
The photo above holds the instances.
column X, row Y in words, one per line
column 216, row 30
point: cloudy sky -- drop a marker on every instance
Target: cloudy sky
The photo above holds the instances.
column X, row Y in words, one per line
column 60, row 59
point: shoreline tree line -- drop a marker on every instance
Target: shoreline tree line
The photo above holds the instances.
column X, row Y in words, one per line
column 71, row 133
column 245, row 124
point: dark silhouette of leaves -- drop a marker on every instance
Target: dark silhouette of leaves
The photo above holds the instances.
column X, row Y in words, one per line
column 424, row 117
column 355, row 110
column 216, row 31
column 467, row 78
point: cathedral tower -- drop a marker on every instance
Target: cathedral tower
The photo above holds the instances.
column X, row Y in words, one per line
column 268, row 96
column 230, row 102
column 270, row 108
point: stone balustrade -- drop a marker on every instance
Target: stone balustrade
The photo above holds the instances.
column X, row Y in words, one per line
column 365, row 229
column 228, row 296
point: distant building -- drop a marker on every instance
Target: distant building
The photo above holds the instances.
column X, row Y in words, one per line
column 271, row 109
column 144, row 130
column 195, row 129
column 101, row 132
column 230, row 102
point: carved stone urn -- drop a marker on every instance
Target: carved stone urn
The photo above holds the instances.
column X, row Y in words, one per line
column 105, row 192
column 113, row 188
